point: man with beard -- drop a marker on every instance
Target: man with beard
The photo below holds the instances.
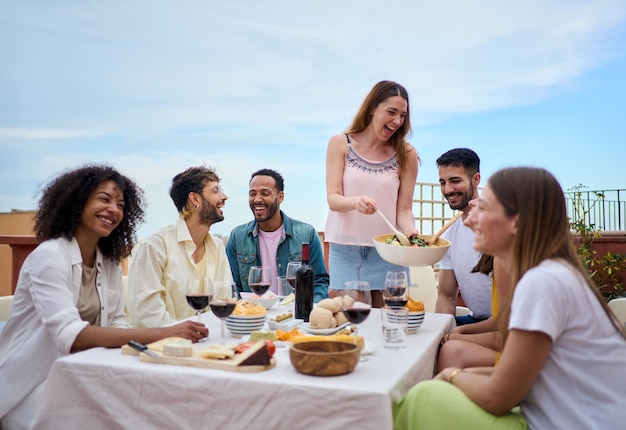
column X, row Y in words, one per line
column 273, row 239
column 459, row 176
column 162, row 265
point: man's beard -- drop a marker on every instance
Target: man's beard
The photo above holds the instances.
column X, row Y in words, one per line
column 465, row 199
column 209, row 213
column 270, row 212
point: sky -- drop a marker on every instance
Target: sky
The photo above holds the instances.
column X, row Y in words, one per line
column 154, row 87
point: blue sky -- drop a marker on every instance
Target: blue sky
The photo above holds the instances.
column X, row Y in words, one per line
column 153, row 87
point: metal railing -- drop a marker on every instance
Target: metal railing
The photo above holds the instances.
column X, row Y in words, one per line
column 602, row 209
column 605, row 210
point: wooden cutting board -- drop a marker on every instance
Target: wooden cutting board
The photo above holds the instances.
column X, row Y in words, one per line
column 196, row 360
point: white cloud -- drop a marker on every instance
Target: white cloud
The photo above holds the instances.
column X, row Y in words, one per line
column 43, row 133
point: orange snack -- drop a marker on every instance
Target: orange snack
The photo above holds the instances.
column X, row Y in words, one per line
column 415, row 306
column 287, row 335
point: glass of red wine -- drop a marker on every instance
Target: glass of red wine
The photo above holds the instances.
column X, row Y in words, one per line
column 259, row 280
column 396, row 289
column 290, row 273
column 199, row 294
column 223, row 303
column 356, row 303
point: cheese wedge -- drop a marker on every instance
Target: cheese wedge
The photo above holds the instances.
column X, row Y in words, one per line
column 178, row 348
column 218, row 352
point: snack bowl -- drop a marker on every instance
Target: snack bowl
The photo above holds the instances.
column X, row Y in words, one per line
column 416, row 319
column 411, row 255
column 324, row 358
column 267, row 300
column 241, row 325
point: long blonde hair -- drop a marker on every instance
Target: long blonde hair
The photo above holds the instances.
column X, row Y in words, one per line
column 378, row 94
column 543, row 230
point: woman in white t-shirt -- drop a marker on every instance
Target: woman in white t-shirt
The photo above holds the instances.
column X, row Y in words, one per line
column 563, row 356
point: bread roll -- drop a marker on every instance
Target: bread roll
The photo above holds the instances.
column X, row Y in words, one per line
column 340, row 317
column 330, row 304
column 320, row 318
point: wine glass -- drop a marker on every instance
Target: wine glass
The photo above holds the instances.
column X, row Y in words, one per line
column 290, row 273
column 284, row 288
column 223, row 303
column 198, row 293
column 396, row 289
column 259, row 280
column 356, row 303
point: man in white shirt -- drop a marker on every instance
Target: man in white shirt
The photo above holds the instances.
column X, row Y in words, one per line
column 162, row 264
column 459, row 177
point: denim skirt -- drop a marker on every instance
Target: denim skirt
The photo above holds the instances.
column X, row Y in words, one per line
column 358, row 263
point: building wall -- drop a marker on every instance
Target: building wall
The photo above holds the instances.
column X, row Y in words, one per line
column 18, row 223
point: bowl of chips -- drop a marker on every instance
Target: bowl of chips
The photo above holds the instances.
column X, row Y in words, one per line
column 418, row 254
column 416, row 315
column 267, row 300
column 247, row 317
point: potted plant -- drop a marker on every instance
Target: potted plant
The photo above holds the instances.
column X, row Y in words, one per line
column 603, row 254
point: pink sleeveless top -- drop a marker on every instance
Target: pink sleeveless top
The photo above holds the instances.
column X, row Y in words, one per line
column 377, row 179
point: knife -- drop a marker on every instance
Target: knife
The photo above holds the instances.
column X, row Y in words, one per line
column 143, row 348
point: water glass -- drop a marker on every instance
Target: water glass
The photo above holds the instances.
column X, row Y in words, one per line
column 395, row 321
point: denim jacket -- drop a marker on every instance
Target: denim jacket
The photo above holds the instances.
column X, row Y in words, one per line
column 243, row 252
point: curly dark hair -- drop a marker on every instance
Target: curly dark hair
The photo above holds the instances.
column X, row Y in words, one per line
column 64, row 198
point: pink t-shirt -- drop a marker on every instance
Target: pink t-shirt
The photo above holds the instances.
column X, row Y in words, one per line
column 268, row 244
column 377, row 179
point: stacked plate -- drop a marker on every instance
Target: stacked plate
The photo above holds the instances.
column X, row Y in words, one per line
column 415, row 321
column 241, row 325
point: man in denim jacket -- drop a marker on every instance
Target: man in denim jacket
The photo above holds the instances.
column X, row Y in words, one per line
column 273, row 239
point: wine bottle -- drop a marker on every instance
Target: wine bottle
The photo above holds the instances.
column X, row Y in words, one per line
column 305, row 284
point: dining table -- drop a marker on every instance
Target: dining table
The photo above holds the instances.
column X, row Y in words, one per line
column 101, row 388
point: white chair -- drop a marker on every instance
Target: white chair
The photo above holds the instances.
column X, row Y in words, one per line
column 462, row 311
column 618, row 306
column 5, row 307
column 423, row 286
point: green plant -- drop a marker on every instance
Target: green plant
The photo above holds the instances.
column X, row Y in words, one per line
column 604, row 270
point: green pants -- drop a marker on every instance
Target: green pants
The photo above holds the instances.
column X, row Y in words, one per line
column 435, row 405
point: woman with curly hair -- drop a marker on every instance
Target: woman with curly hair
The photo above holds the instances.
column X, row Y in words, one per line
column 370, row 167
column 69, row 294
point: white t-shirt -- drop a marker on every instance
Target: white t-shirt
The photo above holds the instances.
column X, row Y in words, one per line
column 461, row 258
column 582, row 385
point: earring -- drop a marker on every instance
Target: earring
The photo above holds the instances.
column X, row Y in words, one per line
column 197, row 206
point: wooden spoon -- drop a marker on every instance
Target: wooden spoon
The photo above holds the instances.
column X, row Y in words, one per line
column 401, row 237
column 433, row 239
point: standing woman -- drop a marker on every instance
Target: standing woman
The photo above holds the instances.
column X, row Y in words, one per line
column 69, row 294
column 563, row 357
column 369, row 167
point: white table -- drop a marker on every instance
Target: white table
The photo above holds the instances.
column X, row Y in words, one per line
column 103, row 389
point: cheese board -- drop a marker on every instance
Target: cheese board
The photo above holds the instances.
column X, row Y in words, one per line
column 254, row 359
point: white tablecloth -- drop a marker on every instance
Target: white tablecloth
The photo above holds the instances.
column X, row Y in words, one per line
column 103, row 389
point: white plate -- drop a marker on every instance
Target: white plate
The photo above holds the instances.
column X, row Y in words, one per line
column 284, row 325
column 322, row 331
